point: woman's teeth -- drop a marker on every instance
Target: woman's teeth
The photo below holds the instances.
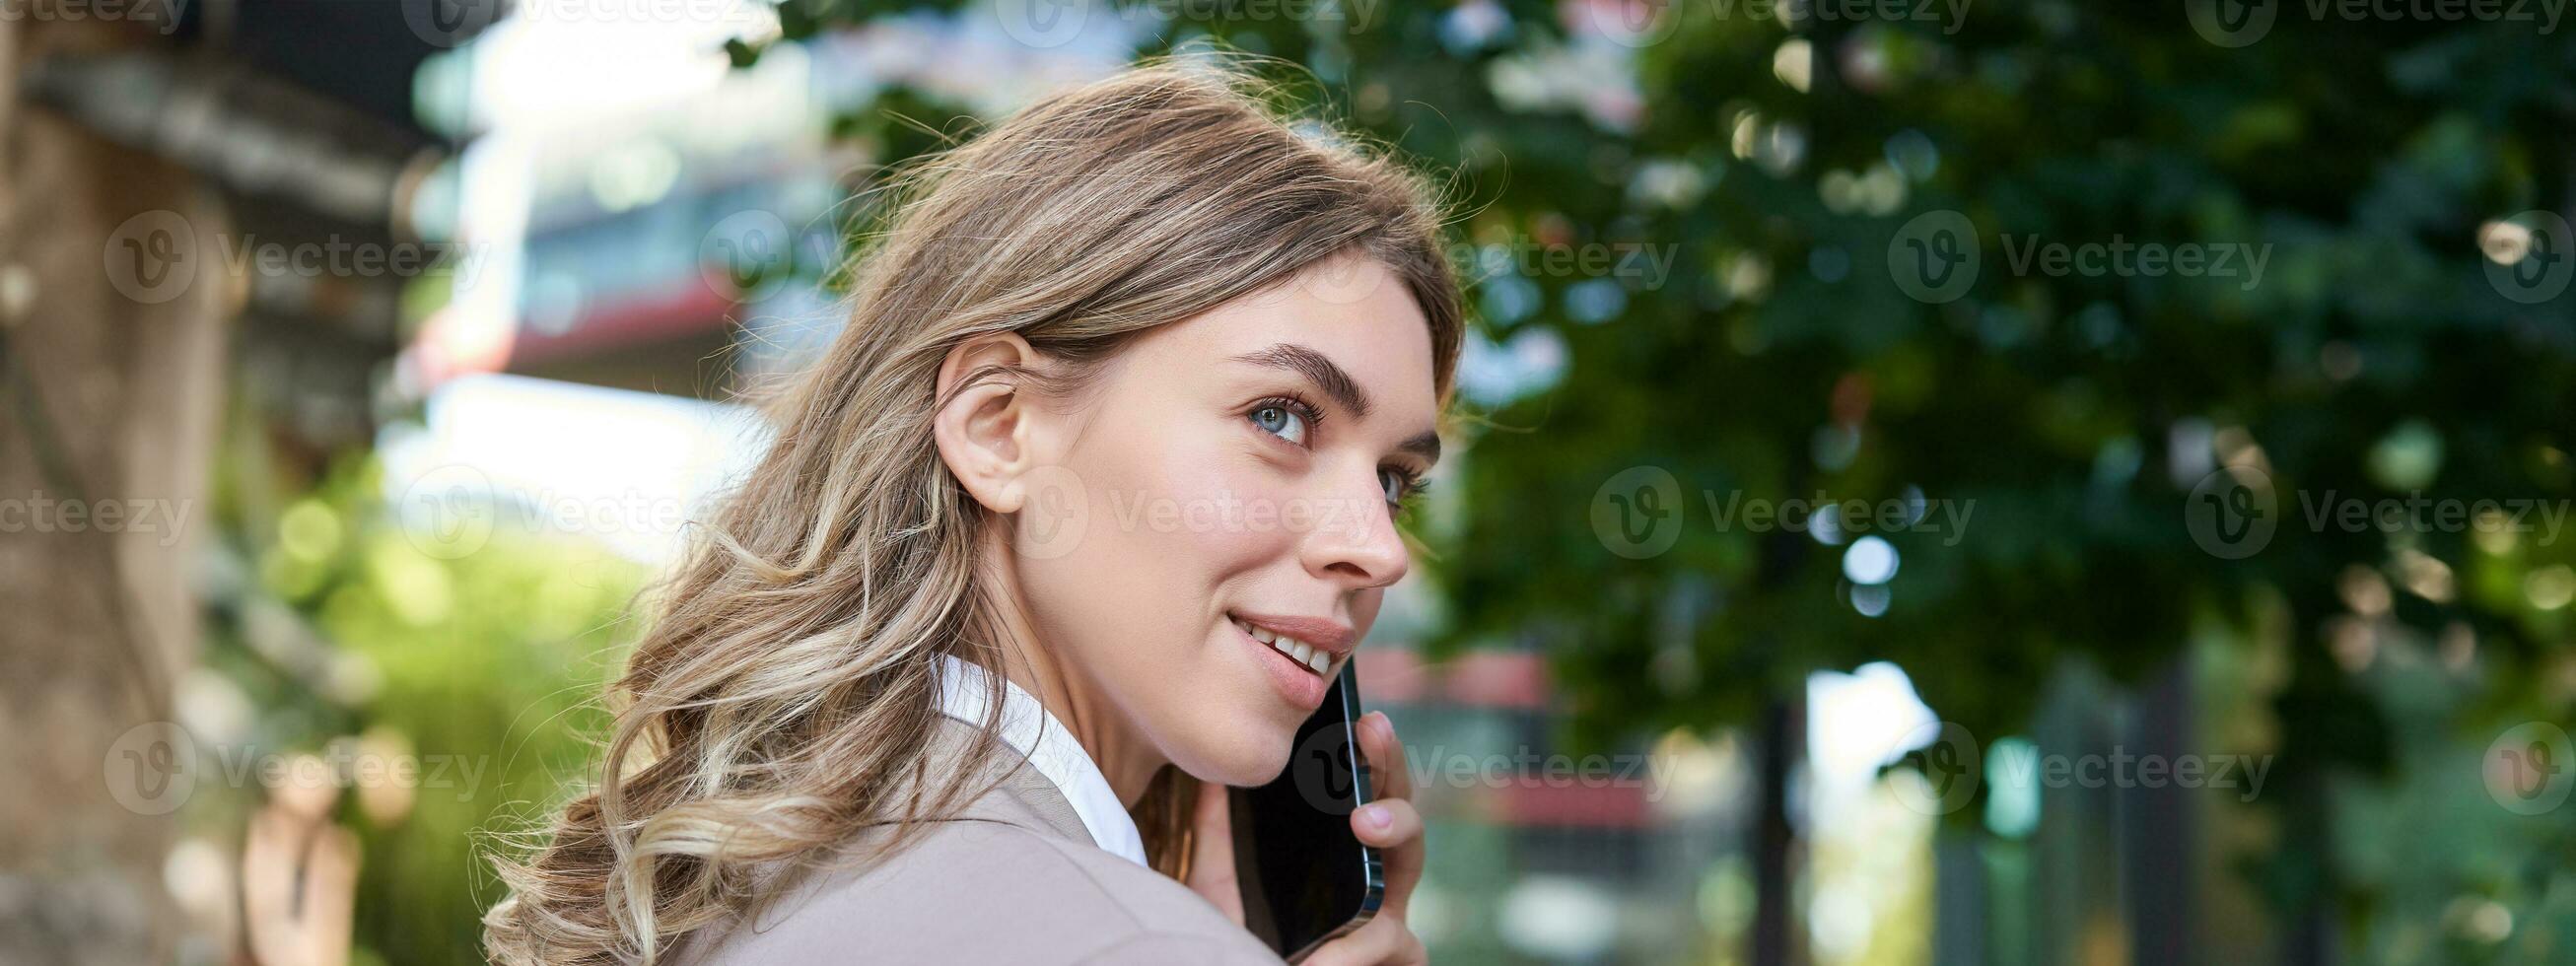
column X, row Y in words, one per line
column 1314, row 658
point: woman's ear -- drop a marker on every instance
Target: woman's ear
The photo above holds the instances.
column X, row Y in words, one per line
column 984, row 430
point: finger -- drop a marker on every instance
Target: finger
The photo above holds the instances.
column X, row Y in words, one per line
column 1394, row 828
column 268, row 883
column 1389, row 777
column 1385, row 939
column 1388, row 823
column 331, row 895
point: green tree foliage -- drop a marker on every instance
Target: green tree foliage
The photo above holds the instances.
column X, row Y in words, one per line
column 476, row 672
column 2071, row 413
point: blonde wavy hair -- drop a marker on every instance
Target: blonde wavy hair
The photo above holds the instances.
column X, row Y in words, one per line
column 787, row 680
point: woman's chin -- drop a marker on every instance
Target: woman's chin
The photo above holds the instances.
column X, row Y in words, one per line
column 1254, row 760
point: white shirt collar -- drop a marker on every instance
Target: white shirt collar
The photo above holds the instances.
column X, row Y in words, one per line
column 1035, row 733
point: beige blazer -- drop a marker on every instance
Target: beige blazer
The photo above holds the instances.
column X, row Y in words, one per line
column 1014, row 878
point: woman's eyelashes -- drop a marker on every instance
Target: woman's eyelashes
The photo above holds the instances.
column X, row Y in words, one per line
column 1288, row 418
column 1294, row 420
column 1403, row 486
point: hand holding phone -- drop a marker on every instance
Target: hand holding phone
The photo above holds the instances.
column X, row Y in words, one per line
column 1310, row 873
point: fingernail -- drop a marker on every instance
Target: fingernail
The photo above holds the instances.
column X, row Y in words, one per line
column 1376, row 817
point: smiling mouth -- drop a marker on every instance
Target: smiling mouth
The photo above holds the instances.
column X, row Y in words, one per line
column 1308, row 656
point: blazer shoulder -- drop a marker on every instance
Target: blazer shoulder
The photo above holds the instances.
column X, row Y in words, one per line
column 983, row 891
column 1159, row 904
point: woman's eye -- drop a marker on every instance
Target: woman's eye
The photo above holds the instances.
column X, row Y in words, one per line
column 1281, row 422
column 1401, row 485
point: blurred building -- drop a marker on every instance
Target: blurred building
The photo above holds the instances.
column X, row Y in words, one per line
column 182, row 183
column 657, row 219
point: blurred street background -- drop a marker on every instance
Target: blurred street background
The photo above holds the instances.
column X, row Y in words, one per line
column 1947, row 481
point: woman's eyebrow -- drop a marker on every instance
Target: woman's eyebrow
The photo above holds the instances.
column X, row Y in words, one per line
column 1425, row 444
column 1335, row 382
column 1318, row 370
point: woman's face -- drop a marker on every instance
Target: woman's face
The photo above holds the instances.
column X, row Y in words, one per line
column 1222, row 495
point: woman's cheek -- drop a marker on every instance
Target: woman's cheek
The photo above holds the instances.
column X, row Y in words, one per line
column 1216, row 495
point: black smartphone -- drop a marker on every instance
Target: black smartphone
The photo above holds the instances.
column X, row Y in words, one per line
column 1305, row 877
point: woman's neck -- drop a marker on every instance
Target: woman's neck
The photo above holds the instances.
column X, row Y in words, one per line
column 1121, row 754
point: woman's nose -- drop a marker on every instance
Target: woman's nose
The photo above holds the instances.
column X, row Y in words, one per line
column 1355, row 542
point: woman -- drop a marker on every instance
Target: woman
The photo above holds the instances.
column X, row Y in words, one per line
column 1095, row 491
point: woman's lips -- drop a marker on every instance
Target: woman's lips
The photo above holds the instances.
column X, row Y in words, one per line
column 1314, row 658
column 1297, row 681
